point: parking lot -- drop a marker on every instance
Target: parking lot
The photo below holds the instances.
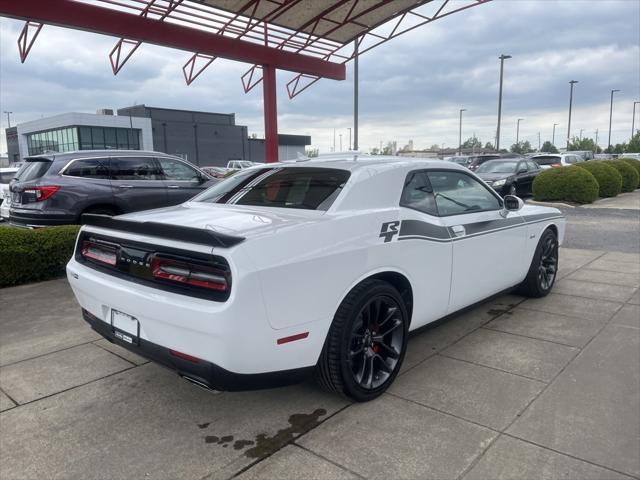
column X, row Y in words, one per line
column 545, row 388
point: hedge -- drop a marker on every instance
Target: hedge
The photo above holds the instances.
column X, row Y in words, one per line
column 33, row 255
column 633, row 162
column 573, row 184
column 630, row 177
column 608, row 178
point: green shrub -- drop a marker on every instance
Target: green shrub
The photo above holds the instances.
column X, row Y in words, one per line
column 573, row 184
column 630, row 177
column 32, row 255
column 633, row 162
column 608, row 178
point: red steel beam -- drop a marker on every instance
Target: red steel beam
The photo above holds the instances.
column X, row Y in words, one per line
column 270, row 114
column 106, row 21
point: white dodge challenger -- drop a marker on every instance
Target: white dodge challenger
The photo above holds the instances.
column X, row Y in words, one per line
column 312, row 267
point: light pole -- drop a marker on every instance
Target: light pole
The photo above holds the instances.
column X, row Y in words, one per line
column 553, row 137
column 334, row 139
column 538, row 141
column 596, row 144
column 460, row 132
column 518, row 131
column 502, row 59
column 633, row 121
column 581, row 130
column 572, row 82
column 340, row 141
column 349, row 128
column 9, row 118
column 610, row 118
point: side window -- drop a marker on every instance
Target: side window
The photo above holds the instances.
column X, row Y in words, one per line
column 456, row 193
column 417, row 193
column 135, row 168
column 90, row 168
column 532, row 166
column 570, row 159
column 175, row 170
column 522, row 166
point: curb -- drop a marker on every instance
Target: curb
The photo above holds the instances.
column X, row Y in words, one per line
column 550, row 204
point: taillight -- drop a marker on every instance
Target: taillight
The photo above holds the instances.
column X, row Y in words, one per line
column 99, row 252
column 41, row 193
column 189, row 273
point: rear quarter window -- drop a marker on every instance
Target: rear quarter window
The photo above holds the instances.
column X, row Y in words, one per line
column 33, row 169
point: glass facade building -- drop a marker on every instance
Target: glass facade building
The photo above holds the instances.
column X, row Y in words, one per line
column 68, row 139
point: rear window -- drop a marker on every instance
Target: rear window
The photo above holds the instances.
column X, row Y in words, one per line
column 33, row 169
column 546, row 160
column 295, row 187
column 6, row 177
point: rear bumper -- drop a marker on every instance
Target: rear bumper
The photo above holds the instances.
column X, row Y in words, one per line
column 203, row 372
column 36, row 218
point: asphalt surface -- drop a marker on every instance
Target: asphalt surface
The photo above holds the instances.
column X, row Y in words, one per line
column 605, row 229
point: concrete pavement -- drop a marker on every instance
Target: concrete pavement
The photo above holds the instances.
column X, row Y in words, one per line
column 513, row 388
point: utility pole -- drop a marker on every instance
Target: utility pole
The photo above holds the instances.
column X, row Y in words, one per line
column 596, row 142
column 553, row 137
column 518, row 131
column 460, row 132
column 572, row 82
column 610, row 118
column 349, row 128
column 538, row 141
column 355, row 94
column 9, row 118
column 633, row 122
column 502, row 59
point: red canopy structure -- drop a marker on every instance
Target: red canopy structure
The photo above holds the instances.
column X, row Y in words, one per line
column 312, row 38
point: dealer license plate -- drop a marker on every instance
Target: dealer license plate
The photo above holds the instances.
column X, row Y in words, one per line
column 125, row 327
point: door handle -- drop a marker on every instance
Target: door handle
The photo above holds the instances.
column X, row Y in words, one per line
column 173, row 186
column 125, row 186
column 458, row 230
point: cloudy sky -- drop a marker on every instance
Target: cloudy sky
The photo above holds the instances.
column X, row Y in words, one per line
column 411, row 88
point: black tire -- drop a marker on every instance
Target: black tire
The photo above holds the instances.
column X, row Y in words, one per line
column 345, row 354
column 543, row 269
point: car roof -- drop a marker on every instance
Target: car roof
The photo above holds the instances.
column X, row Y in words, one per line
column 85, row 153
column 357, row 161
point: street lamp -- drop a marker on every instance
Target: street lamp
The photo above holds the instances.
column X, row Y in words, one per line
column 9, row 118
column 633, row 122
column 340, row 135
column 581, row 130
column 349, row 128
column 553, row 137
column 611, row 117
column 572, row 82
column 460, row 132
column 518, row 131
column 502, row 59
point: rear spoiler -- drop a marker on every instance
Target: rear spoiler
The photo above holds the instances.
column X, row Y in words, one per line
column 163, row 230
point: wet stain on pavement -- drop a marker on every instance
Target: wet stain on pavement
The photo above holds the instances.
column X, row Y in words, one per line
column 299, row 424
column 499, row 311
column 263, row 444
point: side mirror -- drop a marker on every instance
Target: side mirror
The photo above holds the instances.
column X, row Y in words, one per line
column 522, row 170
column 511, row 204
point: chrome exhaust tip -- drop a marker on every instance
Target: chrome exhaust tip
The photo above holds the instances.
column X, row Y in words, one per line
column 200, row 384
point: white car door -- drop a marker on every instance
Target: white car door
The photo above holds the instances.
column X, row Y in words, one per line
column 488, row 248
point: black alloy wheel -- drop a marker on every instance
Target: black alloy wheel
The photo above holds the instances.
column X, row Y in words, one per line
column 376, row 341
column 366, row 343
column 544, row 267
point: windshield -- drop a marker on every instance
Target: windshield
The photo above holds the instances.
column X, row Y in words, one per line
column 547, row 160
column 497, row 167
column 460, row 160
column 295, row 187
column 33, row 169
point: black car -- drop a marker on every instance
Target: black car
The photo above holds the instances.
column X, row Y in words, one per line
column 474, row 161
column 56, row 188
column 509, row 176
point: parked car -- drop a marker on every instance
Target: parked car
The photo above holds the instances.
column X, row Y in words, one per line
column 463, row 160
column 509, row 176
column 6, row 175
column 476, row 160
column 320, row 266
column 215, row 172
column 549, row 160
column 585, row 154
column 635, row 156
column 240, row 164
column 55, row 189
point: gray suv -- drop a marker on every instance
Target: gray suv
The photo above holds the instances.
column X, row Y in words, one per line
column 55, row 189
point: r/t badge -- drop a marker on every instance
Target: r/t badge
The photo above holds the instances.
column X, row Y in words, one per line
column 389, row 229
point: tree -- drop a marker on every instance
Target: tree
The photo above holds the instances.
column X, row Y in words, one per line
column 472, row 142
column 375, row 151
column 312, row 152
column 435, row 146
column 489, row 146
column 634, row 143
column 549, row 147
column 521, row 147
column 389, row 148
column 584, row 144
